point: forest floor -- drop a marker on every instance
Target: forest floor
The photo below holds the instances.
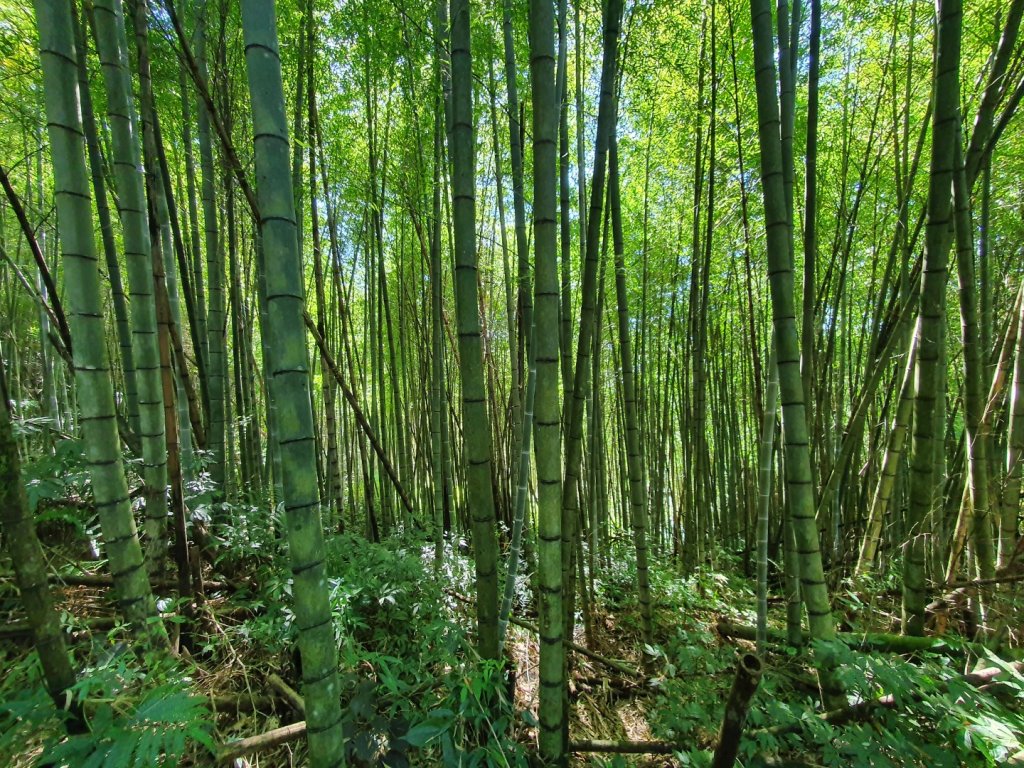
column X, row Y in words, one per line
column 416, row 694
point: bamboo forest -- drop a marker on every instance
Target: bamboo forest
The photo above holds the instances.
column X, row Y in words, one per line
column 511, row 383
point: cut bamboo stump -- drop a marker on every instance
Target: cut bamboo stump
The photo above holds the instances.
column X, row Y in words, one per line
column 744, row 685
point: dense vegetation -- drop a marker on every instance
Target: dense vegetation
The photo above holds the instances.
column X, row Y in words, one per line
column 511, row 383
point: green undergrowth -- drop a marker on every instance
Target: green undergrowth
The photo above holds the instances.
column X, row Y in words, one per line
column 414, row 691
column 935, row 719
column 138, row 710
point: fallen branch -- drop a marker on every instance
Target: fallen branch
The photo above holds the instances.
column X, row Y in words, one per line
column 240, row 702
column 625, row 747
column 43, row 304
column 202, row 88
column 864, row 709
column 22, row 628
column 875, row 641
column 956, row 599
column 665, row 748
column 104, row 580
column 37, row 254
column 224, row 702
column 361, row 420
column 290, row 694
column 1005, row 578
column 618, row 666
column 261, row 741
column 95, row 623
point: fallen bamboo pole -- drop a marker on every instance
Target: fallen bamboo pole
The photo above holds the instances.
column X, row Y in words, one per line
column 856, row 711
column 290, row 694
column 665, row 748
column 221, row 703
column 1006, row 578
column 261, row 741
column 874, row 641
column 625, row 747
column 22, row 628
column 618, row 666
column 104, row 580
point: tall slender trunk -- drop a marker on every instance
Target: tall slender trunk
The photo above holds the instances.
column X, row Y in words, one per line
column 476, row 429
column 565, row 234
column 162, row 226
column 890, row 463
column 333, row 466
column 437, row 342
column 637, row 494
column 518, row 201
column 132, row 207
column 215, row 322
column 928, row 409
column 551, row 713
column 778, row 224
column 764, row 494
column 290, row 385
column 120, row 305
column 811, row 211
column 202, row 349
column 516, row 396
column 974, row 391
column 93, row 384
column 575, row 401
column 1010, row 508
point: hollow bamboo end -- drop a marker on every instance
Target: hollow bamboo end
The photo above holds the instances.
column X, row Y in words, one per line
column 751, row 664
